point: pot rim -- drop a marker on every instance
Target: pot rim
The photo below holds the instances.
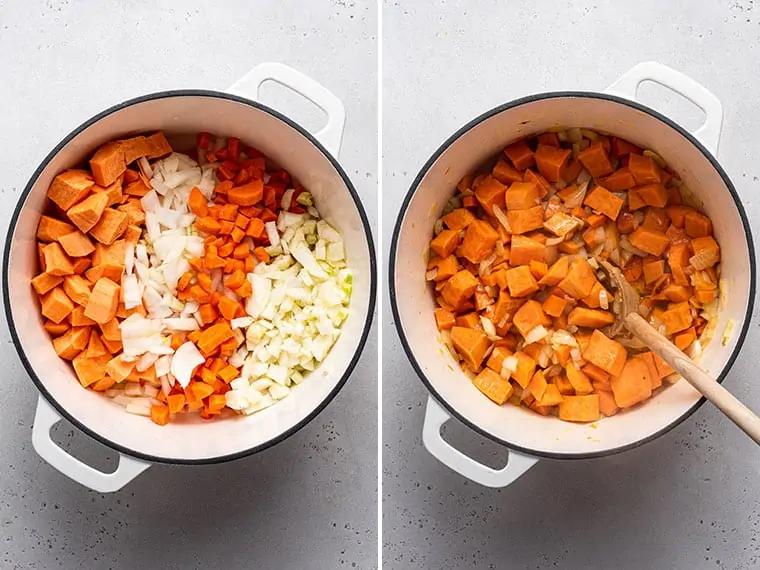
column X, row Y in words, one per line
column 448, row 143
column 164, row 95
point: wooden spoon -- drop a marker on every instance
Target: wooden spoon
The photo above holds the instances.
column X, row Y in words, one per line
column 626, row 308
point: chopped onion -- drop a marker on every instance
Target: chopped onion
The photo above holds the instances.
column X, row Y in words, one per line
column 186, row 359
column 502, row 217
column 537, row 334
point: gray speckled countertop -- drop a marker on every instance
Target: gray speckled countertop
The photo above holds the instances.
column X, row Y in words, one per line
column 690, row 499
column 307, row 503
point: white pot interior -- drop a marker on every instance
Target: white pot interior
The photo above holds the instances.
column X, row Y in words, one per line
column 191, row 438
column 518, row 426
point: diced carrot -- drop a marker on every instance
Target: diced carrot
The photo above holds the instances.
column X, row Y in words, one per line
column 184, row 281
column 197, row 203
column 207, row 225
column 247, row 194
column 228, row 212
column 214, row 336
column 176, row 403
column 228, row 373
column 207, row 313
column 159, row 414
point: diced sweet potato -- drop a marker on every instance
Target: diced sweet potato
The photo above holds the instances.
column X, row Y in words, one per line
column 57, row 263
column 72, row 343
column 89, row 370
column 496, row 360
column 563, row 385
column 95, row 347
column 537, row 385
column 523, row 221
column 81, row 264
column 134, row 148
column 592, row 318
column 604, row 201
column 520, row 155
column 458, row 219
column 76, row 244
column 554, row 306
column 595, row 160
column 677, row 293
column 44, row 282
column 445, row 243
column 551, row 161
column 505, row 173
column 677, row 214
column 653, row 194
column 653, row 270
column 493, row 385
column 70, row 187
column 459, row 288
column 526, row 367
column 87, row 213
column 113, row 192
column 697, row 225
column 593, row 299
column 579, row 280
column 677, row 318
column 557, row 272
column 521, row 282
column 77, row 289
column 134, row 210
column 579, row 408
column 635, row 201
column 523, row 250
column 103, row 302
column 650, row 241
column 552, row 396
column 471, row 344
column 108, row 163
column 607, row 404
column 77, row 318
column 490, row 193
column 706, row 252
column 522, row 196
column 607, row 354
column 132, row 234
column 530, row 315
column 632, row 385
column 621, row 179
column 561, row 224
column 51, row 229
column 110, row 227
column 644, row 169
column 479, row 241
column 444, row 319
column 578, row 380
column 158, row 146
column 118, row 369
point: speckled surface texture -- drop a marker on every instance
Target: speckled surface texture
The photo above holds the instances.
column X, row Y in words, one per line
column 307, row 503
column 690, row 499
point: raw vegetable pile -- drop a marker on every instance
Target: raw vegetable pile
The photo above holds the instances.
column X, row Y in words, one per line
column 517, row 279
column 177, row 283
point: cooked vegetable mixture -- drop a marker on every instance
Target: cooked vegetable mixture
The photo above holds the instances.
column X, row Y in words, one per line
column 522, row 300
column 177, row 283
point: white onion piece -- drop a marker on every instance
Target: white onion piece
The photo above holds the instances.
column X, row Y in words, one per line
column 186, row 359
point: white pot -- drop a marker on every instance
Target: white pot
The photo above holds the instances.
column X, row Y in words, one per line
column 529, row 435
column 191, row 441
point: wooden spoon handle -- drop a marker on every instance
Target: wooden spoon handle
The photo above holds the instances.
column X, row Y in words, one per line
column 740, row 414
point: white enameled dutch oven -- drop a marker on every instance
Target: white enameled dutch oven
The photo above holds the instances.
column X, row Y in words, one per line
column 530, row 436
column 310, row 159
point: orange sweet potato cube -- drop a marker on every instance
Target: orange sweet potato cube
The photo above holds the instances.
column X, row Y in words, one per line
column 521, row 282
column 103, row 302
column 87, row 213
column 50, row 229
column 607, row 354
column 470, row 344
column 158, row 146
column 108, row 163
column 134, row 148
column 77, row 288
column 72, row 343
column 523, row 221
column 522, row 196
column 44, row 282
column 70, row 187
column 76, row 244
column 57, row 263
column 490, row 192
column 442, row 245
column 633, row 384
column 579, row 408
column 110, row 227
column 579, row 280
column 459, row 288
column 523, row 250
column 479, row 241
column 497, row 388
column 56, row 306
column 89, row 369
column 529, row 316
column 604, row 201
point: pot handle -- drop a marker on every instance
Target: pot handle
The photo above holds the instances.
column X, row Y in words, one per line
column 331, row 135
column 709, row 133
column 435, row 417
column 44, row 419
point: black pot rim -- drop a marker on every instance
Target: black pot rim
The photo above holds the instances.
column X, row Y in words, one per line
column 475, row 122
column 214, row 95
